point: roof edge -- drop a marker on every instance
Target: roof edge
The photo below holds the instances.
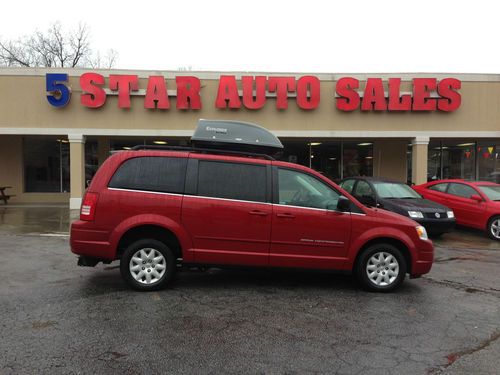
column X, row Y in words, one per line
column 213, row 75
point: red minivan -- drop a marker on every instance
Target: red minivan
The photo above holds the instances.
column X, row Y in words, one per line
column 157, row 209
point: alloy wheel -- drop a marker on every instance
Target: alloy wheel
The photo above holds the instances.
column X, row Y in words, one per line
column 147, row 266
column 382, row 268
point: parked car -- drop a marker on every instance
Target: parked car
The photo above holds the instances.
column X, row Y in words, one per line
column 398, row 197
column 476, row 204
column 157, row 209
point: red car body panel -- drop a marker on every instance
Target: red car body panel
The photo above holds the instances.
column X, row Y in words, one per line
column 234, row 232
column 468, row 212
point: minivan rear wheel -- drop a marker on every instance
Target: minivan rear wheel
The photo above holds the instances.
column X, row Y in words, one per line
column 147, row 264
column 381, row 268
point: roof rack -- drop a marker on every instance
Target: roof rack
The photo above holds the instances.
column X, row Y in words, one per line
column 201, row 150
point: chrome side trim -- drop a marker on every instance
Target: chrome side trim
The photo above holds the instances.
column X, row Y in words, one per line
column 227, row 199
column 186, row 195
column 146, row 191
column 321, row 241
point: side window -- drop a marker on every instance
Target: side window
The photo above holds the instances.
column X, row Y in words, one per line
column 363, row 189
column 300, row 189
column 347, row 185
column 461, row 190
column 156, row 173
column 245, row 182
column 439, row 187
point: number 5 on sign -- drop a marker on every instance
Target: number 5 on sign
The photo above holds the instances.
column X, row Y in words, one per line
column 58, row 93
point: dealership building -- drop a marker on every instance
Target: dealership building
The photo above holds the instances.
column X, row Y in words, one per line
column 58, row 125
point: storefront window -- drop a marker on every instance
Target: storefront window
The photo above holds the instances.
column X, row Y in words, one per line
column 451, row 159
column 434, row 161
column 488, row 160
column 91, row 159
column 357, row 158
column 326, row 159
column 126, row 143
column 459, row 159
column 333, row 159
column 46, row 165
column 295, row 152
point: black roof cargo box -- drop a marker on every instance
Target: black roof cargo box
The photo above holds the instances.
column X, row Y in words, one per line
column 236, row 136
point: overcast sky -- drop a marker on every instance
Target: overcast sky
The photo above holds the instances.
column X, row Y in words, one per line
column 279, row 36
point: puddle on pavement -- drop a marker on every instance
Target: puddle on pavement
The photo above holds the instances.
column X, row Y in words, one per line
column 36, row 219
column 468, row 239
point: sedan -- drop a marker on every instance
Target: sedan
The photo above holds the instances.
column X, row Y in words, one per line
column 398, row 197
column 476, row 204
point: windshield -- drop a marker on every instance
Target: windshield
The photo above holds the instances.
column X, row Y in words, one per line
column 491, row 191
column 394, row 190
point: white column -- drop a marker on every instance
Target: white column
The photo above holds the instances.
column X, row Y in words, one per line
column 419, row 148
column 77, row 169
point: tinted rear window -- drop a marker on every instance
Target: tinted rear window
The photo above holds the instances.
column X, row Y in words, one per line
column 232, row 181
column 161, row 174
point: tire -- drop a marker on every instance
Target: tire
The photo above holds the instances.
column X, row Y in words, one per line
column 153, row 265
column 492, row 223
column 375, row 274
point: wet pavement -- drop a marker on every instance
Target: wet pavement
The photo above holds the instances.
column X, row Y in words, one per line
column 58, row 318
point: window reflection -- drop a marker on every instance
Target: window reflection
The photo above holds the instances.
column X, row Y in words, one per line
column 357, row 159
column 46, row 164
column 451, row 159
column 333, row 159
column 325, row 158
column 488, row 160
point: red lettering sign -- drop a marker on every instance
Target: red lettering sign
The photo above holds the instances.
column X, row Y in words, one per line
column 398, row 102
column 422, row 88
column 348, row 99
column 281, row 86
column 156, row 93
column 308, row 92
column 427, row 95
column 123, row 84
column 374, row 96
column 188, row 92
column 249, row 100
column 450, row 99
column 93, row 96
column 227, row 94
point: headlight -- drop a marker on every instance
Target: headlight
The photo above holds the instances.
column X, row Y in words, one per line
column 416, row 214
column 422, row 233
column 450, row 214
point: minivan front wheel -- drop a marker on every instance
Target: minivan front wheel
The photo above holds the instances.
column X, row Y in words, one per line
column 381, row 268
column 147, row 265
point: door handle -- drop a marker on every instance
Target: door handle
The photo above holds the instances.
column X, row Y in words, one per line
column 258, row 213
column 286, row 215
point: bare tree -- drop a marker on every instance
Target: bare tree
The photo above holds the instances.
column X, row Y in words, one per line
column 55, row 48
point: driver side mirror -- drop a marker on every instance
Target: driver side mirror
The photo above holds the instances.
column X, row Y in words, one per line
column 476, row 198
column 343, row 204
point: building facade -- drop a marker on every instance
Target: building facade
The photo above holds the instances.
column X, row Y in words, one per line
column 58, row 125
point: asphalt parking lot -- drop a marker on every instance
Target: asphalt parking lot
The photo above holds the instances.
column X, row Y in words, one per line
column 58, row 318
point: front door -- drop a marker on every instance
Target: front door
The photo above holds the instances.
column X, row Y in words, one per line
column 307, row 231
column 467, row 211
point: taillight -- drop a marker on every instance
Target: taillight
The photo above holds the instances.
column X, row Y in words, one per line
column 89, row 203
